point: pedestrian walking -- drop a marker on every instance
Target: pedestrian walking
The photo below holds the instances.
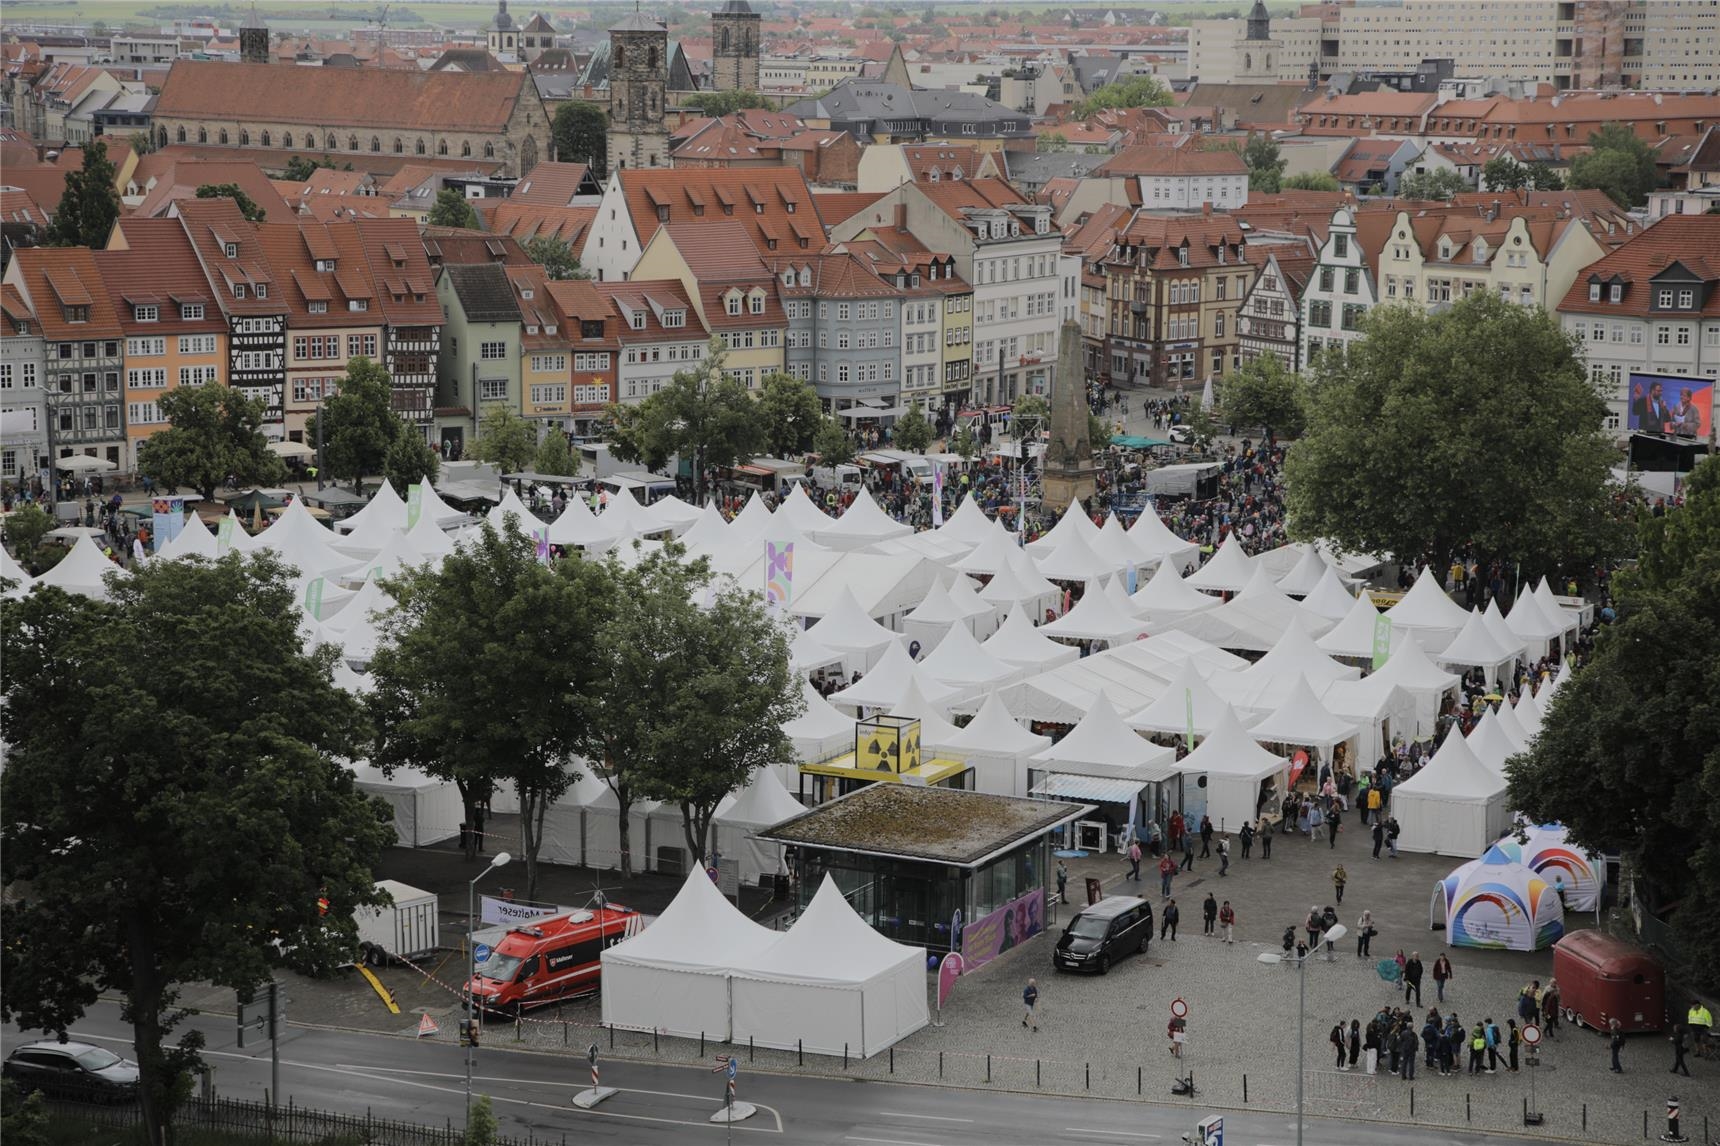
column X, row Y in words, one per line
column 1188, row 851
column 1392, row 832
column 1680, row 1035
column 1615, row 1041
column 1512, row 1038
column 1062, row 882
column 1205, row 836
column 1379, row 833
column 1167, row 869
column 1265, row 839
column 1333, row 820
column 1442, row 975
column 1355, row 1043
column 1315, row 819
column 1312, row 926
column 1227, row 920
column 1246, row 838
column 1169, row 923
column 1134, row 854
column 1339, row 878
column 1339, row 1043
column 1209, row 912
column 1364, row 934
column 1412, row 978
column 1030, row 998
column 1223, row 855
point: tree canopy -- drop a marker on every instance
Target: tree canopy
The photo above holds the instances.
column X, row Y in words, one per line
column 1440, row 183
column 723, row 103
column 358, row 423
column 703, row 416
column 410, row 460
column 1263, row 393
column 89, row 206
column 452, row 210
column 581, row 134
column 912, row 432
column 1502, row 173
column 1628, row 757
column 832, row 444
column 247, row 205
column 300, row 168
column 555, row 456
column 1475, row 425
column 1619, row 162
column 1136, row 91
column 1309, row 181
column 505, row 439
column 213, row 433
column 177, row 800
column 555, row 257
column 1265, row 166
column 791, row 413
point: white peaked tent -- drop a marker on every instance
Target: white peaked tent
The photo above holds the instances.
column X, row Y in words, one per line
column 1513, row 727
column 303, row 542
column 1532, row 625
column 624, row 516
column 1454, row 806
column 1427, row 612
column 935, row 727
column 370, row 598
column 1074, row 559
column 430, row 539
column 849, row 630
column 1309, row 570
column 798, row 510
column 1569, row 618
column 674, row 976
column 1166, row 597
column 887, row 682
column 1028, row 576
column 529, row 522
column 932, row 618
column 752, row 524
column 805, row 654
column 1409, row 669
column 1113, row 545
column 440, row 513
column 1096, row 617
column 384, row 513
column 83, row 570
column 426, row 810
column 961, row 662
column 241, row 541
column 997, row 748
column 1354, row 635
column 1018, row 643
column 10, row 570
column 1189, row 699
column 1490, row 743
column 1475, row 647
column 671, row 513
column 1155, row 542
column 968, row 524
column 991, row 553
column 194, row 540
column 831, row 985
column 1102, row 745
column 1296, row 655
column 981, row 618
column 820, row 732
column 1229, row 571
column 578, row 526
column 1498, row 903
column 861, row 524
column 762, row 804
column 1254, row 620
column 1329, row 600
column 708, row 532
column 1527, row 710
column 400, row 552
column 1501, row 631
column 1236, row 769
column 1073, row 523
column 1303, row 720
column 583, row 827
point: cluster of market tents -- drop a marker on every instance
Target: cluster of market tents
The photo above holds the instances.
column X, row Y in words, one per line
column 1515, row 896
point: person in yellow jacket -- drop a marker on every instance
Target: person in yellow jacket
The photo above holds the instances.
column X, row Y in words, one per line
column 1701, row 1024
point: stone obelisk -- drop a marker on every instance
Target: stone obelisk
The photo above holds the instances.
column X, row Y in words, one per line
column 1070, row 474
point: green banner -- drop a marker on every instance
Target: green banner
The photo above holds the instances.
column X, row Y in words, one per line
column 414, row 504
column 1382, row 639
column 1188, row 699
column 313, row 597
column 224, row 535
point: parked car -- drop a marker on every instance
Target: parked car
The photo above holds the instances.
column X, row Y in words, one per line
column 72, row 1070
column 1102, row 933
column 1185, row 435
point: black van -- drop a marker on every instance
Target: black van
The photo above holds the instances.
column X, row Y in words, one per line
column 1103, row 933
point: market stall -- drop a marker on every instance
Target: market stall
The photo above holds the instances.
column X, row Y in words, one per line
column 1494, row 902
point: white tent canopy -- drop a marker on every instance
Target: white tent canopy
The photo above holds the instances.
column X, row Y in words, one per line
column 1427, row 612
column 1454, row 806
column 1303, row 719
column 529, row 523
column 997, row 748
column 1513, row 727
column 674, row 975
column 1409, row 668
column 83, row 570
column 1354, row 635
column 981, row 617
column 1189, row 701
column 1527, row 710
column 848, row 628
column 935, row 727
column 962, row 662
column 968, row 524
column 1074, row 559
column 578, row 526
column 764, row 803
column 1154, row 541
column 10, row 570
column 1253, row 621
column 1166, row 597
column 1235, row 767
column 426, row 810
column 1475, row 647
column 821, row 731
column 1309, row 570
column 708, row 531
column 862, row 523
column 1073, row 523
column 1532, row 625
column 1503, row 635
column 1296, row 655
column 831, row 985
column 1095, row 617
column 886, row 682
column 1229, row 571
column 1018, row 643
column 1490, row 743
column 991, row 552
column 673, row 514
column 1497, row 903
column 1102, row 745
column 797, row 509
column 194, row 540
column 1569, row 618
column 384, row 513
column 1330, row 599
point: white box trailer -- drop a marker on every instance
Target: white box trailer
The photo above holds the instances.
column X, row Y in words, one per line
column 407, row 928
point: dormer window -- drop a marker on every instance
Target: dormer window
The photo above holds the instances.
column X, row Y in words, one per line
column 662, row 212
column 531, row 328
column 238, row 290
column 1616, row 293
column 191, row 311
column 318, row 306
column 79, row 314
column 674, row 319
column 755, row 304
column 732, row 304
column 1663, row 299
column 1595, row 292
column 231, row 250
column 357, row 304
column 1686, row 299
column 324, row 265
column 805, row 276
column 788, row 278
column 262, row 290
column 788, row 206
column 525, row 292
column 637, row 320
column 146, row 313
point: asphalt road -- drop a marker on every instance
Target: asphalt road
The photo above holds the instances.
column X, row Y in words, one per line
column 397, row 1078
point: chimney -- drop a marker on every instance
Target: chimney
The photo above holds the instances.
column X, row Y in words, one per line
column 1206, row 208
column 902, row 216
column 1493, row 211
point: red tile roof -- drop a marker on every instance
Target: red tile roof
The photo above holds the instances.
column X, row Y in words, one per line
column 212, row 224
column 550, row 184
column 181, row 180
column 1690, row 240
column 1153, row 160
column 56, row 277
column 756, row 198
column 159, row 262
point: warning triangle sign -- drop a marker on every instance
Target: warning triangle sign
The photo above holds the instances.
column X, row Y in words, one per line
column 427, row 1026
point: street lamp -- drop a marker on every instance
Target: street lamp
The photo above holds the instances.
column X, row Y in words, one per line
column 1337, row 932
column 472, row 970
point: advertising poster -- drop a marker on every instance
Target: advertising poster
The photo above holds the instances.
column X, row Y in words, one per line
column 778, row 575
column 990, row 936
column 169, row 519
column 1669, row 404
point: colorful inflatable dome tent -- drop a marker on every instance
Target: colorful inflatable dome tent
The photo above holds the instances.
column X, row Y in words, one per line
column 1547, row 851
column 1499, row 903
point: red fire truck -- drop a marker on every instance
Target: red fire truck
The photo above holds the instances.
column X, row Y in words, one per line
column 549, row 959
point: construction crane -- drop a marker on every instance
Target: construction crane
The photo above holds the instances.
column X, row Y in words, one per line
column 381, row 27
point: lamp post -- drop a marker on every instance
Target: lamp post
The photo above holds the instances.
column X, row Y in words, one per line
column 472, row 970
column 1337, row 932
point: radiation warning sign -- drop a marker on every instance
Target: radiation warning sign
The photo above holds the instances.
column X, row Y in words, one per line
column 887, row 744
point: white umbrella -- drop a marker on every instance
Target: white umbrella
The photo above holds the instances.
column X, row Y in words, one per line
column 73, row 532
column 291, row 450
column 84, row 464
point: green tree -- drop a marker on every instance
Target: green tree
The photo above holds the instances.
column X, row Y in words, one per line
column 142, row 143
column 1310, row 181
column 1619, row 162
column 25, row 527
column 1502, row 173
column 1543, row 177
column 581, row 133
column 912, row 432
column 832, row 444
column 1136, row 91
column 703, row 416
column 300, row 168
column 247, row 205
column 1265, row 165
column 89, row 206
column 1441, row 183
column 1628, row 757
column 724, row 103
column 505, row 439
column 790, row 412
column 481, row 1128
column 1413, row 447
column 197, row 852
column 24, row 1118
column 964, row 443
column 452, row 210
column 555, row 257
column 481, row 670
column 1099, row 431
column 410, row 460
column 1030, row 406
column 555, row 456
column 213, row 433
column 1052, row 141
column 1263, row 393
column 358, row 423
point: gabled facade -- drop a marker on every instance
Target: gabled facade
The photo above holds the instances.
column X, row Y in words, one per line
column 843, row 328
column 1270, row 319
column 732, row 290
column 658, row 331
column 592, row 330
column 1436, row 259
column 411, row 315
column 1340, row 290
column 480, row 361
column 23, row 401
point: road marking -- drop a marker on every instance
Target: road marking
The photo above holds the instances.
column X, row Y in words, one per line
column 890, row 1141
column 929, row 1117
column 1111, row 1133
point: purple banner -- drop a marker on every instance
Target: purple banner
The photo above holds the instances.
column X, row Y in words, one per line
column 1015, row 922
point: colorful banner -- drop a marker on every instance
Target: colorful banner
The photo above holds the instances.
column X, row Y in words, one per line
column 778, row 575
column 1133, row 577
column 937, row 495
column 224, row 535
column 169, row 519
column 1298, row 765
column 541, row 538
column 1015, row 922
column 1670, row 404
column 1382, row 640
column 949, row 970
column 314, row 596
column 414, row 504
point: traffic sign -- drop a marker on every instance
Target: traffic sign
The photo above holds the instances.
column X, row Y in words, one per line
column 734, row 1068
column 1531, row 1033
column 480, row 952
column 427, row 1026
column 591, row 1054
column 1179, row 1009
column 722, row 1063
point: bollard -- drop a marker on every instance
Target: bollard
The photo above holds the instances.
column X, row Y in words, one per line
column 1585, row 1117
column 701, row 1044
column 1036, row 1082
column 988, row 1068
column 751, row 1050
column 653, row 1040
column 1466, row 1117
column 1645, row 1124
column 1137, row 1082
column 892, row 1060
column 1245, row 1091
column 564, row 1032
column 611, row 1036
column 1672, row 1134
column 800, row 1052
column 844, row 1056
column 1089, row 1082
column 940, row 1064
column 1412, row 1102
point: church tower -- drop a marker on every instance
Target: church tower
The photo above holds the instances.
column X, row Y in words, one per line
column 1257, row 52
column 638, row 92
column 254, row 38
column 501, row 37
column 735, row 47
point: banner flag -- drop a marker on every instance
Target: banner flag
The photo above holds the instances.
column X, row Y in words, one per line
column 414, row 504
column 778, row 575
column 1382, row 639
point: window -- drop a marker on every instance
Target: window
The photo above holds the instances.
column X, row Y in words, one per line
column 361, row 344
column 1663, row 336
column 146, row 313
column 1352, row 281
column 1663, row 300
column 145, row 378
column 1684, row 336
column 145, row 347
column 5, row 376
column 674, row 319
column 191, row 311
column 1340, row 246
column 317, row 306
column 1353, row 316
column 548, row 395
column 262, row 290
column 732, row 304
column 197, row 375
column 1326, row 278
column 1616, row 293
column 492, row 351
column 287, row 140
column 143, row 413
column 1320, row 314
column 755, row 304
column 492, row 389
column 591, row 361
column 549, row 364
column 1686, row 299
column 636, row 320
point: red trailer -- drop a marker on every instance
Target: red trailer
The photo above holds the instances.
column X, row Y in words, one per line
column 1603, row 978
